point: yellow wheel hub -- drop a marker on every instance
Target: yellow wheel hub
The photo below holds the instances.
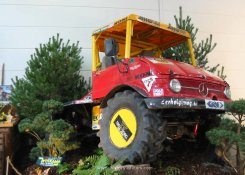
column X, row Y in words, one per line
column 123, row 127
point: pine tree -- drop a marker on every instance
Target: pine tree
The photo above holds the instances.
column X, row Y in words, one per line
column 53, row 72
column 51, row 78
column 201, row 49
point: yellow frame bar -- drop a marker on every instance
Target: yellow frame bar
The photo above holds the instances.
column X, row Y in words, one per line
column 95, row 53
column 192, row 55
column 130, row 42
column 129, row 34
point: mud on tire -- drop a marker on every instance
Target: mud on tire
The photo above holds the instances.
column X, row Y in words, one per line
column 149, row 135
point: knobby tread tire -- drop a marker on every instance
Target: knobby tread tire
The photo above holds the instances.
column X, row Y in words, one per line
column 150, row 134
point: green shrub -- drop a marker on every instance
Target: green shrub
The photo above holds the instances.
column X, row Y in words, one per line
column 35, row 153
column 231, row 133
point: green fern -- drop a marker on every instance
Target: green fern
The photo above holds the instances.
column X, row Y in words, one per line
column 79, row 171
column 97, row 165
column 91, row 159
column 98, row 151
column 64, row 168
column 101, row 165
column 170, row 170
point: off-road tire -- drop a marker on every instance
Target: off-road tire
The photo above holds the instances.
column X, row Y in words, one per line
column 150, row 134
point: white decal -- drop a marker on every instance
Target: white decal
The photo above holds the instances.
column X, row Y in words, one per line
column 96, row 127
column 213, row 104
column 159, row 61
column 179, row 102
column 135, row 67
column 85, row 99
column 148, row 81
column 158, row 92
column 154, row 61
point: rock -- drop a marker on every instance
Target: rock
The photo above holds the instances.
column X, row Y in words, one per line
column 144, row 169
column 215, row 169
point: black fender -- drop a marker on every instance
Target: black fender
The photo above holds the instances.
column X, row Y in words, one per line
column 120, row 89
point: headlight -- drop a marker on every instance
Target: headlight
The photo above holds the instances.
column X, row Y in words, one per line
column 227, row 92
column 175, row 85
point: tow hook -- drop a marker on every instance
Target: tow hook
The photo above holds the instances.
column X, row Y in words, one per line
column 196, row 129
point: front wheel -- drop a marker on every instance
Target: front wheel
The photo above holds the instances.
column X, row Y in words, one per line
column 129, row 130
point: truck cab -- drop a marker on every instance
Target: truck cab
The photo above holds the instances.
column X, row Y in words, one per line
column 138, row 64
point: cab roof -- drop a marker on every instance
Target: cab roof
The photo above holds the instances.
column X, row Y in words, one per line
column 147, row 34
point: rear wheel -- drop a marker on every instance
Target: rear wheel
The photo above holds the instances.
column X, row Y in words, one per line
column 129, row 130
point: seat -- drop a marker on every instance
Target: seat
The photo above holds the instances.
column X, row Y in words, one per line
column 107, row 61
column 111, row 51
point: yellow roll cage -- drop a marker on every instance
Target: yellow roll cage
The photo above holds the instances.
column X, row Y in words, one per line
column 134, row 34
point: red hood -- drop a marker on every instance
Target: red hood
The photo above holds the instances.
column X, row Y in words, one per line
column 165, row 66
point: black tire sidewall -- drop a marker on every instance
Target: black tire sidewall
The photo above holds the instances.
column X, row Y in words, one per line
column 122, row 102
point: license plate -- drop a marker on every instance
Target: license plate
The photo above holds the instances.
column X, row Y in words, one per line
column 214, row 104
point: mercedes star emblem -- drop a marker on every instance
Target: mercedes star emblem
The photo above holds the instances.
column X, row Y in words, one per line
column 203, row 89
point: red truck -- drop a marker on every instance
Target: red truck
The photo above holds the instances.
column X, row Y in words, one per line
column 139, row 98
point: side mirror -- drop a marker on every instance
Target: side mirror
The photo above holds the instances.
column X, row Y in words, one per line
column 111, row 47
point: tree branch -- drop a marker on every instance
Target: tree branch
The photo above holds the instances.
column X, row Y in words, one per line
column 234, row 115
column 228, row 161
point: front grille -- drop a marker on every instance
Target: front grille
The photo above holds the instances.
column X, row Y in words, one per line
column 191, row 87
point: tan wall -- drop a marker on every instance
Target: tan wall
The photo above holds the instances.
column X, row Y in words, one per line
column 0, row 73
column 24, row 24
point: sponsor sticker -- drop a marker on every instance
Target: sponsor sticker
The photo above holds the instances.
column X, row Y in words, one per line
column 122, row 128
column 120, row 21
column 176, row 30
column 96, row 127
column 158, row 92
column 49, row 161
column 95, row 122
column 149, row 21
column 213, row 104
column 134, row 67
column 179, row 102
column 85, row 99
column 159, row 61
column 103, row 28
column 148, row 81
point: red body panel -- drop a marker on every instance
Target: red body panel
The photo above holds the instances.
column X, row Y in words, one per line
column 153, row 74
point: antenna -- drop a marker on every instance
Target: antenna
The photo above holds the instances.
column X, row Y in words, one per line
column 3, row 71
column 159, row 11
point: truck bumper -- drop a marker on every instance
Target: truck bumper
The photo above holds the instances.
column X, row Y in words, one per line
column 185, row 103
